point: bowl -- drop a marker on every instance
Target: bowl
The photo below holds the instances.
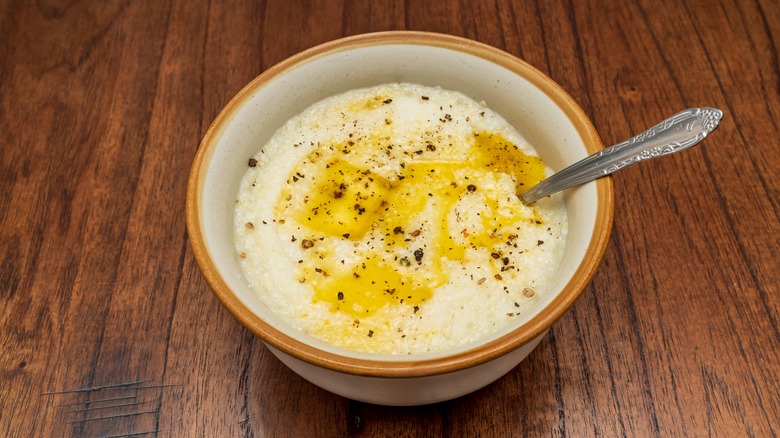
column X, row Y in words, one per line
column 535, row 105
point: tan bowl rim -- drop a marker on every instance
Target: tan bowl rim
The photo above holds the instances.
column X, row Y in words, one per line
column 423, row 367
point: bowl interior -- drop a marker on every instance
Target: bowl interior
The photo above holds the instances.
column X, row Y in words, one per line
column 543, row 113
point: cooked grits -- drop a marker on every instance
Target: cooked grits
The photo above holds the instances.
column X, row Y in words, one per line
column 386, row 220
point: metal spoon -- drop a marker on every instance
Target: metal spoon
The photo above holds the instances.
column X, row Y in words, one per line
column 674, row 134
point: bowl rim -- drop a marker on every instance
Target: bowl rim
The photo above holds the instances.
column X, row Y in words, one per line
column 480, row 354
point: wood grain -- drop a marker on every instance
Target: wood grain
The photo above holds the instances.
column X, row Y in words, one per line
column 103, row 105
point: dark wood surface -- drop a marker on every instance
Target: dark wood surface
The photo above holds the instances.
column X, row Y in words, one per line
column 103, row 105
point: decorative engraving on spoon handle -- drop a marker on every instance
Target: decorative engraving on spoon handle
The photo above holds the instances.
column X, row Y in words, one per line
column 674, row 134
column 684, row 123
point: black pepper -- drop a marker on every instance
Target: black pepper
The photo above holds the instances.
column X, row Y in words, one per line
column 418, row 254
column 340, row 296
column 471, row 188
column 306, row 243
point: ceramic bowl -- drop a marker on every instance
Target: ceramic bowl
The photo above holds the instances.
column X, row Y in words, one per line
column 535, row 105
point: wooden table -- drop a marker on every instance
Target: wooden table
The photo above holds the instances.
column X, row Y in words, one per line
column 102, row 107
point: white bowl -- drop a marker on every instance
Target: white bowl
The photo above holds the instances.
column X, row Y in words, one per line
column 535, row 105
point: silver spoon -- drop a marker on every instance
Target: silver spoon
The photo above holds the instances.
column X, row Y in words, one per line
column 674, row 134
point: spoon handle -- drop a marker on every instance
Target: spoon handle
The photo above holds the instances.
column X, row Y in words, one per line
column 674, row 134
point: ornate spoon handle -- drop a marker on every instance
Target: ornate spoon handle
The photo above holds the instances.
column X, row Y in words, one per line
column 674, row 134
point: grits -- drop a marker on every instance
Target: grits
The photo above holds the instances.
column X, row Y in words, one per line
column 386, row 220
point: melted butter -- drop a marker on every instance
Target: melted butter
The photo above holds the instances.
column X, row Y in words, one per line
column 345, row 200
column 349, row 202
column 500, row 155
column 369, row 104
column 369, row 286
column 425, row 183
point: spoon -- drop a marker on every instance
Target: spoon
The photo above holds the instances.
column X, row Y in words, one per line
column 674, row 134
